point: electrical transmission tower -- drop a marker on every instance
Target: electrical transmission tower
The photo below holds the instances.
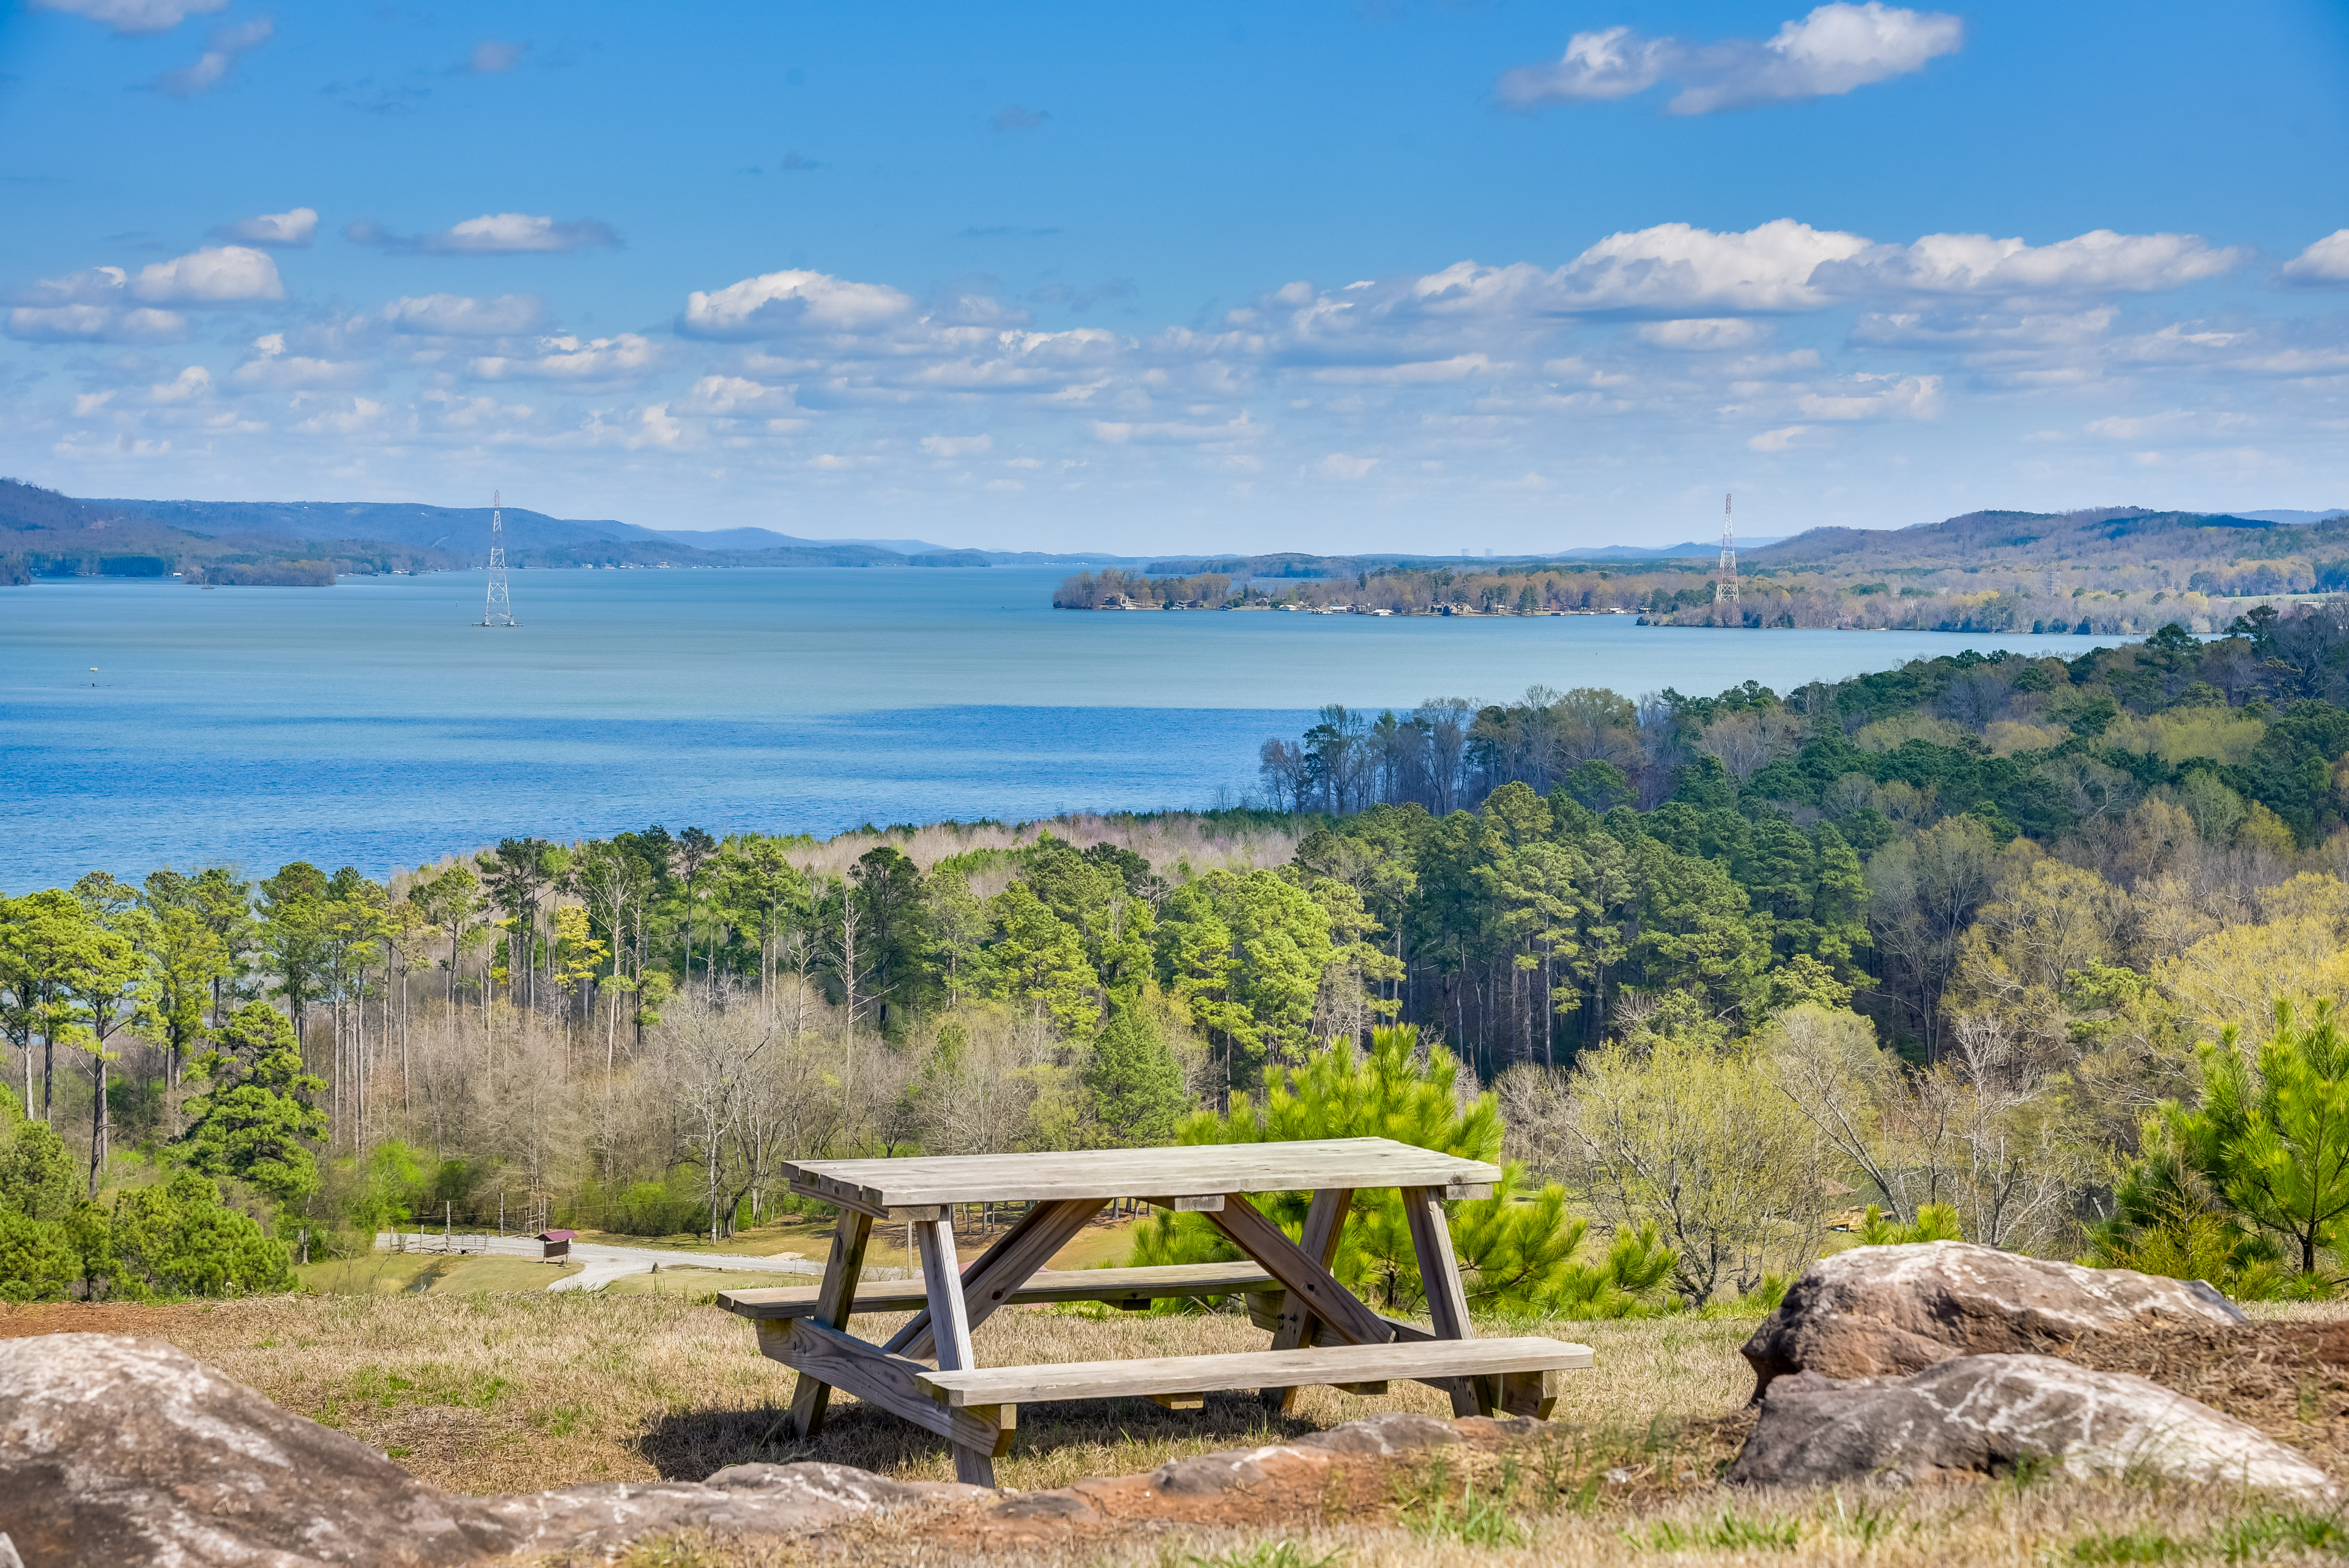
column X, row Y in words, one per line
column 1724, row 587
column 499, row 610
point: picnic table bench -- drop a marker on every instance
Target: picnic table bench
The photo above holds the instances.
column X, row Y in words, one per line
column 928, row 1374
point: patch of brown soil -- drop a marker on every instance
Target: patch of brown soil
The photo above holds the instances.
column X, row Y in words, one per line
column 2290, row 1380
column 156, row 1320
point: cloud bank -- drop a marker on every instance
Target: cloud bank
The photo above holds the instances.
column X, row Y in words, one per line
column 1836, row 49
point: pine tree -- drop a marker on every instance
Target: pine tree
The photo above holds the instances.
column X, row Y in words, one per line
column 1135, row 1082
column 253, row 1123
column 1519, row 1255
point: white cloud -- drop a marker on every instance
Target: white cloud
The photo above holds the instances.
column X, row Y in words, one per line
column 128, row 18
column 491, row 234
column 273, row 368
column 490, row 56
column 216, row 274
column 2170, row 422
column 1876, row 397
column 620, row 358
column 1703, row 332
column 108, row 304
column 1831, row 51
column 95, row 323
column 650, row 427
column 777, row 304
column 1173, row 432
column 958, row 446
column 731, row 397
column 1779, row 439
column 460, row 315
column 193, row 385
column 2324, row 264
column 1345, row 467
column 1414, row 373
column 282, row 231
column 1676, row 266
column 210, row 66
column 2097, row 261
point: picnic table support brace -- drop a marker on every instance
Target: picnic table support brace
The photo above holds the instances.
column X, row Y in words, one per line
column 837, row 1299
column 1003, row 1268
column 951, row 1322
column 1447, row 1303
column 1325, row 1223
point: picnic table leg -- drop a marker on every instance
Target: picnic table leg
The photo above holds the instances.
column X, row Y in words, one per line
column 1447, row 1303
column 1325, row 1223
column 951, row 1325
column 835, row 1298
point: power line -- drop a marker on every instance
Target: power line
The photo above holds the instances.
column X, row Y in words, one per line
column 499, row 610
column 1724, row 587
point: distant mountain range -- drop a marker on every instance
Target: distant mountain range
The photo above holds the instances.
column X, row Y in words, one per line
column 2102, row 537
column 42, row 531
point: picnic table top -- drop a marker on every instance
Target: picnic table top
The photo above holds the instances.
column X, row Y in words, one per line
column 1190, row 1169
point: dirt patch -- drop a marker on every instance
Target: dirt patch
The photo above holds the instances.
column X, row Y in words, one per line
column 2290, row 1380
column 156, row 1320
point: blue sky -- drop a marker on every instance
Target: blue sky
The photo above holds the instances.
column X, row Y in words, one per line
column 1200, row 276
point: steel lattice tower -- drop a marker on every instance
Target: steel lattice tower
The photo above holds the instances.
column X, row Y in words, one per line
column 499, row 610
column 1724, row 587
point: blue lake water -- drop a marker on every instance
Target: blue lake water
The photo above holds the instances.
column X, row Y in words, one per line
column 373, row 724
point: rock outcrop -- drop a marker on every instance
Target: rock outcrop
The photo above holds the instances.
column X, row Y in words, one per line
column 1976, row 1416
column 1877, row 1311
column 115, row 1451
column 763, row 1501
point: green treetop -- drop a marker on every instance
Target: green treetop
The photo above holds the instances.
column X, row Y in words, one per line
column 256, row 1119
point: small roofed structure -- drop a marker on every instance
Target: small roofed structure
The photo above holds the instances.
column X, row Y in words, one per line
column 555, row 1243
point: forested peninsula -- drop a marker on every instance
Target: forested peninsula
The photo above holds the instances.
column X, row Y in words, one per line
column 2041, row 952
column 2110, row 571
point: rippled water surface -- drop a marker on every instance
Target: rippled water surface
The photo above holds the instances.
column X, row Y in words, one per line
column 373, row 724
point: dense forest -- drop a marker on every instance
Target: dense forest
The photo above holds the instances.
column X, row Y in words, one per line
column 2033, row 950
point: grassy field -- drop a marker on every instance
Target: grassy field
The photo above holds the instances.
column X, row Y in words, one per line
column 486, row 1392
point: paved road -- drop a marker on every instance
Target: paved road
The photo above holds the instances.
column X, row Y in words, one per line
column 602, row 1265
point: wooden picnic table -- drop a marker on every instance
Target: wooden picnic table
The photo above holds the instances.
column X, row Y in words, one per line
column 1322, row 1332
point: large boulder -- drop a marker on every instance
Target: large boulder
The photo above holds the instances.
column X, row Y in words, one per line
column 1877, row 1311
column 1986, row 1415
column 115, row 1449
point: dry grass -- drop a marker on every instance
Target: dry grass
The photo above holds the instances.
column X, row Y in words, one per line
column 429, row 1273
column 489, row 1393
column 516, row 1393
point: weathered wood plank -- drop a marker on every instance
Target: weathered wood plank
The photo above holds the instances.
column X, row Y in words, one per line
column 1305, row 1165
column 1311, row 1285
column 1007, row 1266
column 1193, row 1203
column 1180, row 1401
column 1140, row 1287
column 1447, row 1303
column 835, row 1300
column 886, row 1381
column 1134, row 1288
column 1325, row 1224
column 1252, row 1370
column 942, row 1284
column 842, row 1195
column 1534, row 1394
